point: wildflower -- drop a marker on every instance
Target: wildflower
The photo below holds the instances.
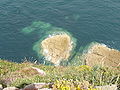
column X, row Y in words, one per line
column 85, row 68
column 65, row 88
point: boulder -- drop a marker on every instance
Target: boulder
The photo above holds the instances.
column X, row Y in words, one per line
column 35, row 86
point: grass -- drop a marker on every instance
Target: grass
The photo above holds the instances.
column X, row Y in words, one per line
column 13, row 74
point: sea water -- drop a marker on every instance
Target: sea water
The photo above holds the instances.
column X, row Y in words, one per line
column 86, row 20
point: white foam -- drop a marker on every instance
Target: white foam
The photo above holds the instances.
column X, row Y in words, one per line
column 46, row 51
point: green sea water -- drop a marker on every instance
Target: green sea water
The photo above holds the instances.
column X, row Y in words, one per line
column 85, row 20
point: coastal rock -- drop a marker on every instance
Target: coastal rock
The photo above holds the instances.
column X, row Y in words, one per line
column 35, row 86
column 11, row 88
column 107, row 87
column 99, row 54
column 57, row 48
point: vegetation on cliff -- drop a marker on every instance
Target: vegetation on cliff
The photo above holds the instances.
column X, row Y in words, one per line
column 13, row 74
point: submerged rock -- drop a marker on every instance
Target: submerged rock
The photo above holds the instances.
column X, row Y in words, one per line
column 99, row 54
column 57, row 48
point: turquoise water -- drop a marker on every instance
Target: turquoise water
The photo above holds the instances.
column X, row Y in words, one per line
column 86, row 20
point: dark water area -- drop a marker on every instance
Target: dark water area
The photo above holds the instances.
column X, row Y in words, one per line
column 87, row 20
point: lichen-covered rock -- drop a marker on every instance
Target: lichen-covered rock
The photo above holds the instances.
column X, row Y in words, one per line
column 11, row 88
column 57, row 48
column 35, row 86
column 99, row 54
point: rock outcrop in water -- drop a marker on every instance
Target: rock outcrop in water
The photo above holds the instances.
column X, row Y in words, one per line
column 99, row 54
column 57, row 48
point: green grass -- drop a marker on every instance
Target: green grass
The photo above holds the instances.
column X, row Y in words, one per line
column 97, row 75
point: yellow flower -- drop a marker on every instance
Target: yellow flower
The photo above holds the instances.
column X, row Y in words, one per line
column 65, row 88
column 85, row 68
column 78, row 88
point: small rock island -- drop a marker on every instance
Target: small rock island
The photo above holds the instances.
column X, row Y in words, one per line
column 57, row 48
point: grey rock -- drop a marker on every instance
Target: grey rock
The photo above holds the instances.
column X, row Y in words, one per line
column 107, row 87
column 35, row 86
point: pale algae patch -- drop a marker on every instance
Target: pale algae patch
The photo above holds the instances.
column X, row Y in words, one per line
column 28, row 30
column 38, row 26
column 55, row 44
column 74, row 17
